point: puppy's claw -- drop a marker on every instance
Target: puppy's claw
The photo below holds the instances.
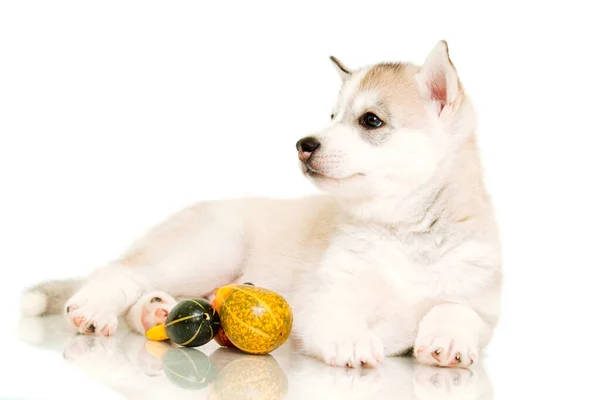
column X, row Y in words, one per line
column 436, row 354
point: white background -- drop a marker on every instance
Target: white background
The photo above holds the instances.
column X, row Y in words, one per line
column 115, row 114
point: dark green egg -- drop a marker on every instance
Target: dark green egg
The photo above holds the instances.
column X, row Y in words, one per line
column 188, row 368
column 192, row 323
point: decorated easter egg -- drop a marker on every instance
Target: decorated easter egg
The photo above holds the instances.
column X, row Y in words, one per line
column 254, row 319
column 191, row 323
column 222, row 339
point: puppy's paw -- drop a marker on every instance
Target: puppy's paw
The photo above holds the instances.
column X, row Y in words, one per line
column 353, row 351
column 150, row 310
column 446, row 351
column 89, row 316
column 448, row 337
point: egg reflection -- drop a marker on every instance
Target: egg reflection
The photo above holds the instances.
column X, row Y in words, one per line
column 245, row 376
column 186, row 367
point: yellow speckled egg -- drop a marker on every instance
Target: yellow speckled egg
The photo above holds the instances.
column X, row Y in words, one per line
column 256, row 320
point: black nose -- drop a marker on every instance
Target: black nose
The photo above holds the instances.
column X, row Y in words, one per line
column 308, row 145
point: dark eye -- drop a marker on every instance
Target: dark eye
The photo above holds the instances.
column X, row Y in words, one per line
column 370, row 121
column 332, row 116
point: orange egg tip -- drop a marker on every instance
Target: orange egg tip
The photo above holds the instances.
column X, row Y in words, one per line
column 157, row 333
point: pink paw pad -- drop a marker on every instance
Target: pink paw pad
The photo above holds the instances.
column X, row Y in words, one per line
column 78, row 321
column 161, row 314
column 90, row 322
column 156, row 312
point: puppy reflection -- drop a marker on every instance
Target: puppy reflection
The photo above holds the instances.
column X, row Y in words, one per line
column 451, row 384
column 138, row 369
column 396, row 378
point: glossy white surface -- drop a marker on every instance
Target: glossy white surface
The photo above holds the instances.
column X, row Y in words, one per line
column 45, row 360
column 128, row 366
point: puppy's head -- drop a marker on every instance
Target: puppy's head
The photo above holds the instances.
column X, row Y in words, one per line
column 390, row 129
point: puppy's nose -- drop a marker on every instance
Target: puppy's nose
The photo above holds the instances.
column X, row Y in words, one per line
column 306, row 147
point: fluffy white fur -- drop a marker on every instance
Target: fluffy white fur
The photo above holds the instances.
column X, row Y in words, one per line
column 402, row 254
column 33, row 303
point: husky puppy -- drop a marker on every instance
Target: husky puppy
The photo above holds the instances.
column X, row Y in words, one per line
column 400, row 255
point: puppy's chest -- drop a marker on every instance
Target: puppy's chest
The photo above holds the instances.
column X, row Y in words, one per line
column 413, row 270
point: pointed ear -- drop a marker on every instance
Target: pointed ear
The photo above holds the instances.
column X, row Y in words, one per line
column 344, row 71
column 438, row 80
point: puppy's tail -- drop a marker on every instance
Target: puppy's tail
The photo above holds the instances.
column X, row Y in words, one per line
column 48, row 297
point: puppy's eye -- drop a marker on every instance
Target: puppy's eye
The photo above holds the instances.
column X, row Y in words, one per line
column 332, row 116
column 370, row 121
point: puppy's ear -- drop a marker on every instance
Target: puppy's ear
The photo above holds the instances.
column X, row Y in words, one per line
column 438, row 80
column 344, row 71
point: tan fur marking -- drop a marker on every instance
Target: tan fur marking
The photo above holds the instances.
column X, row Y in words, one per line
column 396, row 85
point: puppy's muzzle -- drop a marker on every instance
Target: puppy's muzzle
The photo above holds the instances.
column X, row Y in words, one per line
column 306, row 147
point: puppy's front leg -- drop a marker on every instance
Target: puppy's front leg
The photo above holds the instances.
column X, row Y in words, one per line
column 451, row 335
column 95, row 307
column 332, row 314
